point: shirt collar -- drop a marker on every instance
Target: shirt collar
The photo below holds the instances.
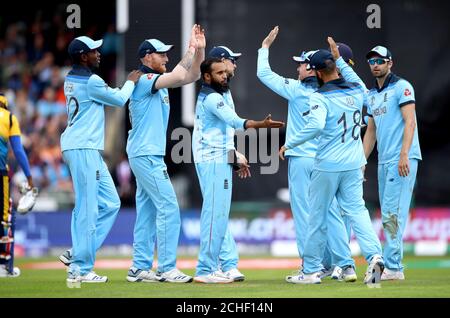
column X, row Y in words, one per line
column 309, row 80
column 335, row 82
column 385, row 84
column 80, row 70
column 145, row 69
column 207, row 86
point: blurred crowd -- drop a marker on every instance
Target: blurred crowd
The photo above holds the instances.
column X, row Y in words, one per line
column 33, row 64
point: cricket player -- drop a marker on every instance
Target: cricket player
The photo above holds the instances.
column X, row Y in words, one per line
column 9, row 131
column 158, row 214
column 96, row 198
column 393, row 126
column 301, row 158
column 229, row 254
column 214, row 154
column 335, row 115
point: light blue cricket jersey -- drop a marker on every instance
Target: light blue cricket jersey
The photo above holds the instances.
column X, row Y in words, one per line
column 336, row 118
column 86, row 95
column 384, row 105
column 297, row 93
column 149, row 116
column 214, row 126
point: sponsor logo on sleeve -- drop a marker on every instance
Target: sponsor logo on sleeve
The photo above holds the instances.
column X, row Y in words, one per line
column 407, row 92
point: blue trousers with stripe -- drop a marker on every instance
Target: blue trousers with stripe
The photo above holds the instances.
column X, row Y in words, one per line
column 337, row 250
column 395, row 194
column 216, row 184
column 229, row 254
column 158, row 215
column 96, row 206
column 347, row 187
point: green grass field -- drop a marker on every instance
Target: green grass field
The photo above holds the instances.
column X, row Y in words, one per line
column 425, row 277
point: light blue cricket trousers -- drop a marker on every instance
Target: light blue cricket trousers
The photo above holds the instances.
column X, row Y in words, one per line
column 216, row 185
column 96, row 206
column 299, row 178
column 229, row 254
column 347, row 187
column 158, row 215
column 395, row 197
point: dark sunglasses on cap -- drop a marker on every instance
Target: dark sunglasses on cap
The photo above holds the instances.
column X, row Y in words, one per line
column 378, row 61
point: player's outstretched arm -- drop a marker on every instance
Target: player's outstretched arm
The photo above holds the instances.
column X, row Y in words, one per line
column 179, row 74
column 314, row 126
column 99, row 91
column 266, row 123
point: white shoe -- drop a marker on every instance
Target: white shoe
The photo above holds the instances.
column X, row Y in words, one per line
column 301, row 278
column 92, row 277
column 213, row 278
column 349, row 274
column 325, row 272
column 337, row 273
column 392, row 275
column 374, row 270
column 235, row 275
column 175, row 276
column 4, row 272
column 288, row 278
column 139, row 275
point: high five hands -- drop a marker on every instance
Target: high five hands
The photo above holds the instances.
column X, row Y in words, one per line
column 267, row 42
column 200, row 36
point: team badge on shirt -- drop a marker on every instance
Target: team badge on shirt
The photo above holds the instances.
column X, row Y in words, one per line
column 69, row 87
column 149, row 76
column 166, row 100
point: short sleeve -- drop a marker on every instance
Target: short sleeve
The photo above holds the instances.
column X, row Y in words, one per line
column 147, row 83
column 405, row 93
column 15, row 128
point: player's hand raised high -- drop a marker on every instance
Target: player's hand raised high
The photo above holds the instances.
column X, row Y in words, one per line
column 267, row 42
column 333, row 48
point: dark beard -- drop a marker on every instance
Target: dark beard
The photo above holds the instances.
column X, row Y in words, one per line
column 219, row 87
